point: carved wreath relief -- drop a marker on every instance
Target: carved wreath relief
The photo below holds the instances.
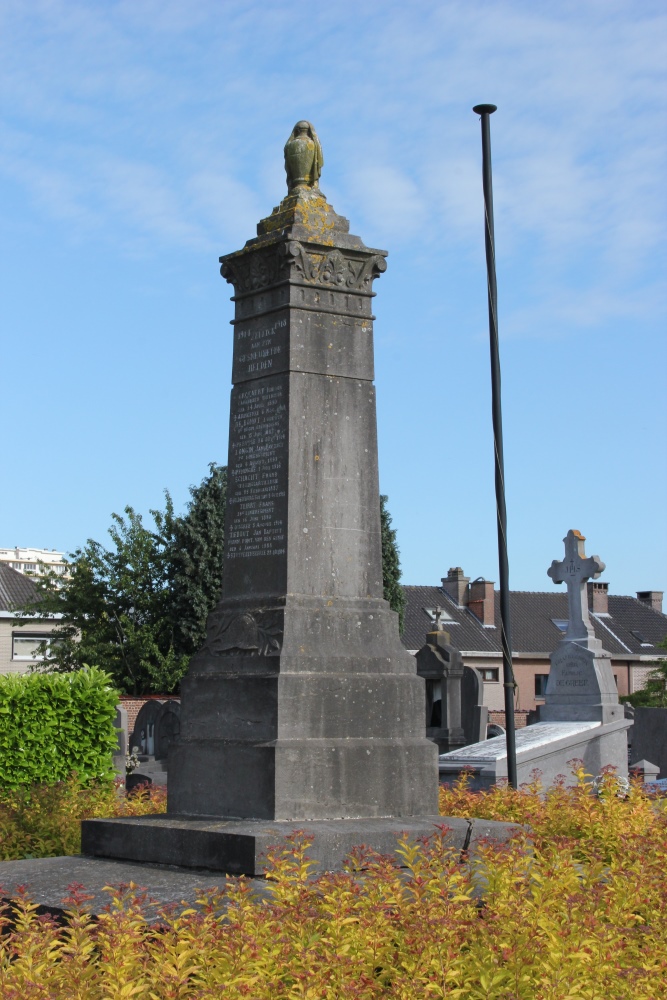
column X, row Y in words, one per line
column 259, row 632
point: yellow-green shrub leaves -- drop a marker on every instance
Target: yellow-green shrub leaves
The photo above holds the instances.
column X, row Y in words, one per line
column 580, row 916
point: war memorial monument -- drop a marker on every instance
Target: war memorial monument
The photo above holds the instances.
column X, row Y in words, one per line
column 302, row 708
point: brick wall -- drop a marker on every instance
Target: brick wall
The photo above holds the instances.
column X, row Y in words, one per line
column 133, row 705
column 498, row 719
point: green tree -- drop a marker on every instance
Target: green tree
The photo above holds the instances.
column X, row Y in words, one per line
column 391, row 565
column 654, row 692
column 113, row 611
column 138, row 608
column 195, row 557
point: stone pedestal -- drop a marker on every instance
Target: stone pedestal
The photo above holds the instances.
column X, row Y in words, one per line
column 302, row 703
column 581, row 684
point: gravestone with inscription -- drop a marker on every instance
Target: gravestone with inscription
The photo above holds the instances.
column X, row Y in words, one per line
column 581, row 683
column 302, row 704
column 581, row 717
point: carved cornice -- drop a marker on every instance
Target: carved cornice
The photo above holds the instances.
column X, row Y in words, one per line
column 352, row 271
column 334, row 268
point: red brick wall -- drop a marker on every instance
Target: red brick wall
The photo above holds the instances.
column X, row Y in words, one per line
column 498, row 718
column 133, row 705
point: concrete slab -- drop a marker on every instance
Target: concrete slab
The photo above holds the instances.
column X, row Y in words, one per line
column 240, row 846
column 47, row 880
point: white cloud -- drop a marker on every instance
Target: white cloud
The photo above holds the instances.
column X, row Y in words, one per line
column 171, row 118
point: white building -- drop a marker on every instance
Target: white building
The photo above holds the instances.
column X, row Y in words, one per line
column 34, row 562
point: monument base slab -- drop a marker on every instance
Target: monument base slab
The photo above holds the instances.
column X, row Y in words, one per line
column 240, row 847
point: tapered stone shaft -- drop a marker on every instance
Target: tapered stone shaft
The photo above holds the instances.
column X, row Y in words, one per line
column 302, row 703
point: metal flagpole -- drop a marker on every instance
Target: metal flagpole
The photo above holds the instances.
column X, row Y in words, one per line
column 485, row 110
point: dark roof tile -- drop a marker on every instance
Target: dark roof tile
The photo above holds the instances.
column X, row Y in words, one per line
column 532, row 622
column 16, row 590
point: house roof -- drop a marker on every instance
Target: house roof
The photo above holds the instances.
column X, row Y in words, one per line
column 16, row 589
column 630, row 629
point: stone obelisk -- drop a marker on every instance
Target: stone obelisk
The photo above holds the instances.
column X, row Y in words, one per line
column 302, row 704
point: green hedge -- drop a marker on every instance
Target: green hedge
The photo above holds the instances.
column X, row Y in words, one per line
column 54, row 724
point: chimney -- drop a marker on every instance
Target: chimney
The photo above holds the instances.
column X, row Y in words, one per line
column 481, row 601
column 651, row 597
column 456, row 585
column 598, row 597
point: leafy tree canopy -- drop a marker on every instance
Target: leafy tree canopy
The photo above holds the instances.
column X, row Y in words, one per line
column 391, row 565
column 138, row 608
column 654, row 692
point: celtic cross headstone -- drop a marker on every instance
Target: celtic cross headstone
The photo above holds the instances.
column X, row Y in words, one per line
column 575, row 570
column 581, row 683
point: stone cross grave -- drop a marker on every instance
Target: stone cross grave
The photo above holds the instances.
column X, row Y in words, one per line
column 581, row 717
column 575, row 570
column 581, row 684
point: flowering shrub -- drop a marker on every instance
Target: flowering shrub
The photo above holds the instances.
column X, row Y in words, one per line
column 43, row 821
column 582, row 915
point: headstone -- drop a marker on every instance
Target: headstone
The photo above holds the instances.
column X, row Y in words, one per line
column 120, row 724
column 649, row 738
column 441, row 666
column 581, row 716
column 474, row 713
column 581, row 683
column 143, row 735
column 646, row 770
column 455, row 713
column 167, row 728
column 302, row 706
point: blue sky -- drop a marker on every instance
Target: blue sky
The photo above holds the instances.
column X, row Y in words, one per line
column 142, row 139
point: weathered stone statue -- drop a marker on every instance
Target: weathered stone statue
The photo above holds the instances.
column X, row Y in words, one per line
column 303, row 157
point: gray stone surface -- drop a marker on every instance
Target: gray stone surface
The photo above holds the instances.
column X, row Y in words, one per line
column 120, row 723
column 474, row 713
column 167, row 728
column 649, row 738
column 441, row 666
column 239, row 847
column 47, row 879
column 581, row 682
column 545, row 747
column 145, row 723
column 302, row 703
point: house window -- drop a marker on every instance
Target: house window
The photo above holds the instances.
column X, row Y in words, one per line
column 489, row 673
column 561, row 624
column 26, row 647
column 541, row 685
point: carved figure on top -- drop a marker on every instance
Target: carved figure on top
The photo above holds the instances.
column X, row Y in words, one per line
column 303, row 157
